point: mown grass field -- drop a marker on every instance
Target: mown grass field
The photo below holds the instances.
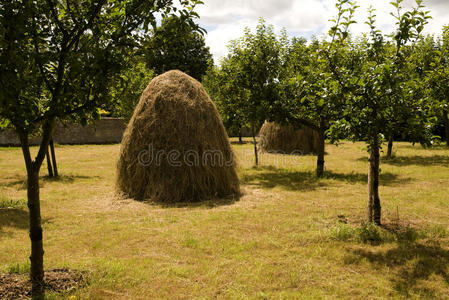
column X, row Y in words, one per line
column 290, row 236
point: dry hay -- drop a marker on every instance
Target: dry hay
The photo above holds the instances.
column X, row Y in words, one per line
column 175, row 147
column 275, row 138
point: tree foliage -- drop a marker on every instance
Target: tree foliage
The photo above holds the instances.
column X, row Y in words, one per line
column 437, row 81
column 127, row 89
column 57, row 60
column 222, row 85
column 254, row 63
column 177, row 45
column 380, row 87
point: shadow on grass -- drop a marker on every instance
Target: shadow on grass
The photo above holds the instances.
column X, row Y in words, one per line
column 20, row 182
column 418, row 147
column 386, row 178
column 211, row 203
column 17, row 182
column 13, row 217
column 411, row 263
column 67, row 178
column 418, row 160
column 240, row 143
column 16, row 218
column 270, row 177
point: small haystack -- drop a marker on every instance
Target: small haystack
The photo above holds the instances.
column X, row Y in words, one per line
column 175, row 147
column 275, row 138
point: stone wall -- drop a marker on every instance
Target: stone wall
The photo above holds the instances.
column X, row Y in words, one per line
column 104, row 131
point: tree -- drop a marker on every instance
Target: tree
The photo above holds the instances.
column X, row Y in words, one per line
column 408, row 115
column 310, row 95
column 57, row 59
column 257, row 59
column 374, row 83
column 128, row 88
column 178, row 45
column 438, row 81
column 51, row 160
column 222, row 85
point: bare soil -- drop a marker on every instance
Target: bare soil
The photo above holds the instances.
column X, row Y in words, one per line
column 18, row 286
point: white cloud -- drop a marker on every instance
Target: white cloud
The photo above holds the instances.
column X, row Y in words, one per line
column 219, row 38
column 226, row 19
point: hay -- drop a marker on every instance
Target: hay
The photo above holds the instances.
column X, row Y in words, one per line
column 275, row 138
column 175, row 147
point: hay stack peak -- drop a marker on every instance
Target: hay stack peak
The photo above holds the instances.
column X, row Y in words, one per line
column 175, row 147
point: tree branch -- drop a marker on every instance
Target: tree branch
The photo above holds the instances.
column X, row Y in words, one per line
column 46, row 136
column 23, row 136
column 54, row 14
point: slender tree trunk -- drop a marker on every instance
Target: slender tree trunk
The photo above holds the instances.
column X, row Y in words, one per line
column 240, row 135
column 374, row 208
column 446, row 125
column 37, row 249
column 320, row 154
column 256, row 156
column 49, row 166
column 53, row 158
column 35, row 223
column 390, row 147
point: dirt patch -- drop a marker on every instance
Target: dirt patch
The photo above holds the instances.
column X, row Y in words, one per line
column 18, row 286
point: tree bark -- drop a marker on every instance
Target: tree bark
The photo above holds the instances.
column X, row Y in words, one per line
column 374, row 208
column 37, row 249
column 49, row 166
column 256, row 156
column 390, row 147
column 320, row 154
column 240, row 136
column 446, row 125
column 53, row 158
column 35, row 223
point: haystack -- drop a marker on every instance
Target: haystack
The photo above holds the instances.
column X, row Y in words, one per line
column 175, row 147
column 275, row 138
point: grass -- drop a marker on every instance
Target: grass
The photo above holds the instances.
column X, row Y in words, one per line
column 19, row 268
column 290, row 235
column 7, row 203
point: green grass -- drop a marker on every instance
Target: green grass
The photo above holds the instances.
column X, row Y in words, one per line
column 19, row 268
column 290, row 235
column 7, row 203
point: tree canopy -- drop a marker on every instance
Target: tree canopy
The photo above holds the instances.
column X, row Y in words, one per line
column 177, row 45
column 58, row 60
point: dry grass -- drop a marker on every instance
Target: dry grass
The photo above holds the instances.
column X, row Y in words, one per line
column 289, row 236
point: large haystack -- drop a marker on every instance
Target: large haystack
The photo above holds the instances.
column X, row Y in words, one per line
column 285, row 139
column 175, row 147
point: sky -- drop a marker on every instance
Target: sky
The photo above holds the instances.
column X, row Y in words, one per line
column 225, row 20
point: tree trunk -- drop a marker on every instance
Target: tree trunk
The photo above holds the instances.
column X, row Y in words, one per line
column 255, row 146
column 49, row 166
column 53, row 158
column 446, row 125
column 240, row 136
column 320, row 154
column 374, row 208
column 33, row 167
column 390, row 147
column 37, row 250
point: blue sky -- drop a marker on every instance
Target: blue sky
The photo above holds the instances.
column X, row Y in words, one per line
column 225, row 19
